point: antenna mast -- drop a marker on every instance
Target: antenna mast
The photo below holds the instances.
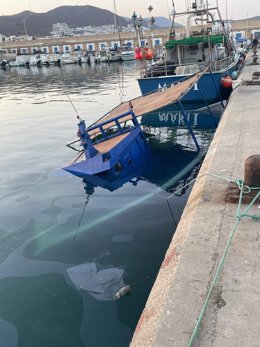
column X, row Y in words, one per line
column 116, row 23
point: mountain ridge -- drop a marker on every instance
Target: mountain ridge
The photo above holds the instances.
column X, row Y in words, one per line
column 40, row 24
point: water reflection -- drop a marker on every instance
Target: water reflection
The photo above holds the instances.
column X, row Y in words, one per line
column 198, row 117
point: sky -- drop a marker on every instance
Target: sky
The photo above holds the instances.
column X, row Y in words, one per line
column 236, row 9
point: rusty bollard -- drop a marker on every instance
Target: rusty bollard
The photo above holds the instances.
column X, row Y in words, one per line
column 251, row 179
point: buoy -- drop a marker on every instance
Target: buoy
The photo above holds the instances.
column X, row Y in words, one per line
column 144, row 53
column 226, row 82
column 138, row 53
column 234, row 75
column 150, row 53
column 123, row 292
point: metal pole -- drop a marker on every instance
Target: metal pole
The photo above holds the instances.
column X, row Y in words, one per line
column 202, row 94
column 188, row 125
column 216, row 88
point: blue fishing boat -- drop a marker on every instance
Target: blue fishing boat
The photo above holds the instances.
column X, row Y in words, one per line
column 116, row 141
column 108, row 146
column 205, row 43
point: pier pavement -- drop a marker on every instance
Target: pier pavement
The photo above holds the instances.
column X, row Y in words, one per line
column 232, row 317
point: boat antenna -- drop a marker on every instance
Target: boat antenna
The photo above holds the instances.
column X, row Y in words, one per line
column 172, row 31
column 116, row 23
column 71, row 103
column 168, row 8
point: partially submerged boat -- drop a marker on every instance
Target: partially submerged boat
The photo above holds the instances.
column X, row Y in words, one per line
column 108, row 145
column 205, row 43
column 116, row 140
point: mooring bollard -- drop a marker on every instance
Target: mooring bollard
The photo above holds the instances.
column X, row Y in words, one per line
column 252, row 171
column 251, row 180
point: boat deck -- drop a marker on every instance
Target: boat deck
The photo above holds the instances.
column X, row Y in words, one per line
column 105, row 146
column 151, row 102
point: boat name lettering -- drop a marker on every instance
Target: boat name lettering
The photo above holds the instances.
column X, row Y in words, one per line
column 165, row 86
column 178, row 118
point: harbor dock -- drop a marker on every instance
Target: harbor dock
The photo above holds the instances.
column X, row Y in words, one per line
column 208, row 287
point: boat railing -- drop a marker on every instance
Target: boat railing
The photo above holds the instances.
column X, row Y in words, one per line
column 165, row 68
column 112, row 127
column 156, row 69
column 189, row 66
column 219, row 65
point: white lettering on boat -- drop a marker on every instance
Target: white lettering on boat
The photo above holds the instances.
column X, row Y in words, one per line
column 178, row 118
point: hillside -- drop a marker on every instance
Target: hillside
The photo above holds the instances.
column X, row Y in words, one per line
column 40, row 24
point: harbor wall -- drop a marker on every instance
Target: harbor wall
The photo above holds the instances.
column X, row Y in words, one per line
column 179, row 292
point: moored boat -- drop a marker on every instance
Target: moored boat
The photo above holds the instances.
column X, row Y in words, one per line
column 128, row 55
column 206, row 43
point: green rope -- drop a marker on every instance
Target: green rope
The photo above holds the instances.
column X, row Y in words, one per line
column 239, row 216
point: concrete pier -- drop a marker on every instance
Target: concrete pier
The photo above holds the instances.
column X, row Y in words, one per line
column 232, row 317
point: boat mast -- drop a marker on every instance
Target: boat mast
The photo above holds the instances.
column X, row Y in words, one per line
column 172, row 30
column 116, row 23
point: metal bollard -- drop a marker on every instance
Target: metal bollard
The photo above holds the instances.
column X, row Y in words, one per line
column 251, row 179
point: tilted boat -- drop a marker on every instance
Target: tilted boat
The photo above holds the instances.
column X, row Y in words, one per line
column 205, row 43
column 116, row 140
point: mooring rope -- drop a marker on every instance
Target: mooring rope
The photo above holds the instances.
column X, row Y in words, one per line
column 239, row 216
column 244, row 189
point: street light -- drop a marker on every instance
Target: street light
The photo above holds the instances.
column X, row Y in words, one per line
column 150, row 8
column 134, row 16
column 134, row 19
column 140, row 28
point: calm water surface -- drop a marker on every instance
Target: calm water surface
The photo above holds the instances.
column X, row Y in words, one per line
column 66, row 249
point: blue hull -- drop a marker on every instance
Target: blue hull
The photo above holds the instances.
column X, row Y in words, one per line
column 211, row 91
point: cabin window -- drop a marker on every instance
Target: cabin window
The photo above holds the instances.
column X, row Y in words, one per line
column 193, row 50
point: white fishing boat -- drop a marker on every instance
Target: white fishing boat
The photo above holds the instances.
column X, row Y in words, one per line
column 128, row 55
column 108, row 55
column 20, row 60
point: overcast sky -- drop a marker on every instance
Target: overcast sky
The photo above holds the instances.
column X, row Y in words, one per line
column 235, row 8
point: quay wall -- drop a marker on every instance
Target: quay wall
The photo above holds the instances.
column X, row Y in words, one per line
column 177, row 297
column 157, row 37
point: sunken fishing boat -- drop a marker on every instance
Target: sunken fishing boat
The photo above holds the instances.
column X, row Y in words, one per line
column 116, row 140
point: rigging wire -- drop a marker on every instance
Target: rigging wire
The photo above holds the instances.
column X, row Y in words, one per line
column 121, row 83
column 71, row 102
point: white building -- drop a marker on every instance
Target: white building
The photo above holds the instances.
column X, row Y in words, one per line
column 61, row 29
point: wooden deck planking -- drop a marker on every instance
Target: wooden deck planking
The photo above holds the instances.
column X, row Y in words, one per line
column 107, row 145
column 148, row 103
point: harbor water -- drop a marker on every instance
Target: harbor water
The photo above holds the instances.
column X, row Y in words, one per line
column 67, row 246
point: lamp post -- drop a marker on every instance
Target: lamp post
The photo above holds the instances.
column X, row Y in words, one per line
column 151, row 21
column 140, row 29
column 134, row 19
